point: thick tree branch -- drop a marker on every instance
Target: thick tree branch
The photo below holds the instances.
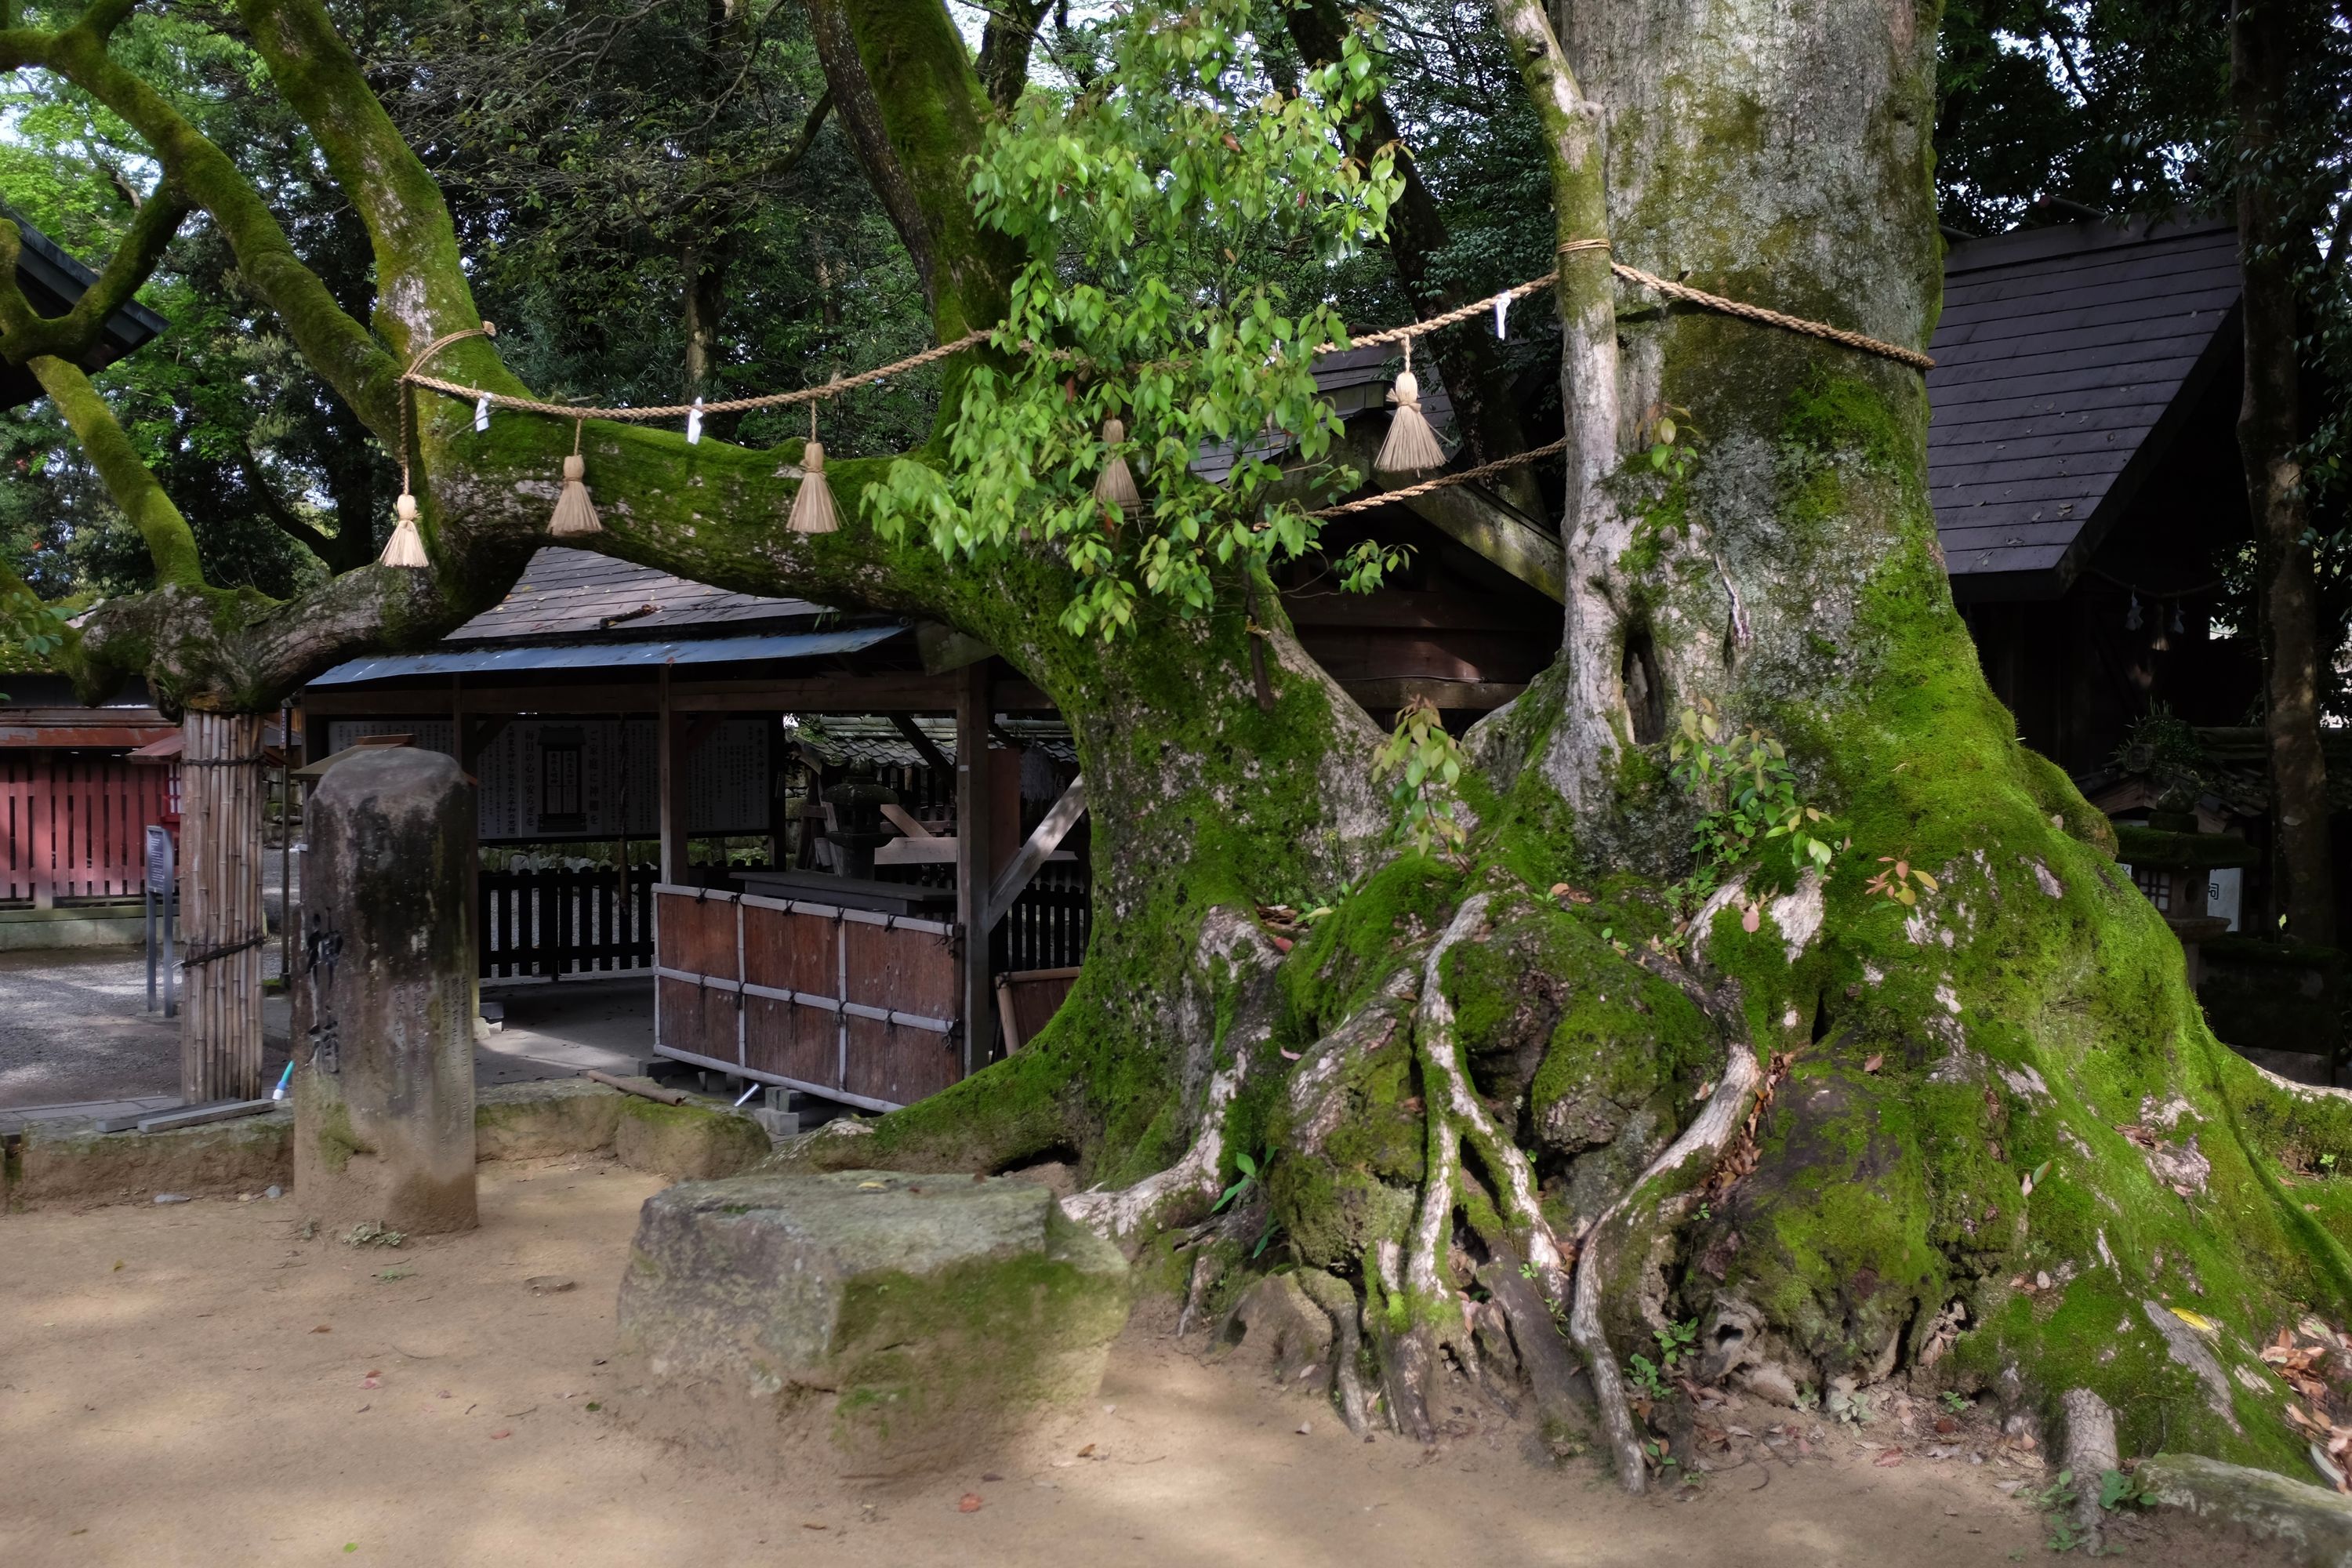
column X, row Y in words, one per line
column 913, row 109
column 421, row 287
column 1004, row 48
column 1592, row 527
column 171, row 544
column 72, row 335
column 2262, row 62
column 298, row 530
column 338, row 347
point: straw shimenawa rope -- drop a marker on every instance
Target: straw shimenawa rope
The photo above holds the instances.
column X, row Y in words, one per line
column 1745, row 311
column 811, row 395
column 681, row 410
column 1468, row 475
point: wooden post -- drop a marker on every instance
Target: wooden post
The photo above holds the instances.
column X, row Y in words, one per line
column 973, row 861
column 672, row 727
column 220, row 859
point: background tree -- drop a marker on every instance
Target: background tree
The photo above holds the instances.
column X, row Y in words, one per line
column 1771, row 998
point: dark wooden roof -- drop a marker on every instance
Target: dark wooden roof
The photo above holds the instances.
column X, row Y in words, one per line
column 52, row 281
column 2065, row 357
column 570, row 594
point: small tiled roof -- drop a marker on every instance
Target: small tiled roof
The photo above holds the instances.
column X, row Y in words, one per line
column 571, row 592
column 2064, row 358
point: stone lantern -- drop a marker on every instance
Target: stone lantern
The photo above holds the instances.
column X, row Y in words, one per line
column 857, row 828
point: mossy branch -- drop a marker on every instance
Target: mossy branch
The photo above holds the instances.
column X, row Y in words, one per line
column 336, row 345
column 24, row 334
column 421, row 287
column 170, row 543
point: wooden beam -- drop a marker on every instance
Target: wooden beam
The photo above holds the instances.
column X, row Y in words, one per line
column 1484, row 526
column 1062, row 816
column 1020, row 696
column 1395, row 692
column 1408, row 610
column 1475, row 520
column 898, row 817
column 921, row 742
column 670, row 734
column 972, row 813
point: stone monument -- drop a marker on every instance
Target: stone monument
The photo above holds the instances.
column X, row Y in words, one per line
column 905, row 1323
column 384, row 1082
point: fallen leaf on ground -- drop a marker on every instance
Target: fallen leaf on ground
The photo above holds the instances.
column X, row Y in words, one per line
column 322, row 1329
column 1891, row 1456
column 502, row 1432
column 1874, row 1063
column 968, row 1503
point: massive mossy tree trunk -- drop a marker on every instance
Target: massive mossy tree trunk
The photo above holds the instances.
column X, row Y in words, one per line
column 1569, row 1075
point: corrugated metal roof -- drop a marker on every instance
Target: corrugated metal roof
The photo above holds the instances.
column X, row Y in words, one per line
column 576, row 593
column 2059, row 355
column 608, row 655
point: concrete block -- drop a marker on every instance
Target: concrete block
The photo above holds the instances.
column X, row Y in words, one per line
column 535, row 1120
column 220, row 1159
column 686, row 1143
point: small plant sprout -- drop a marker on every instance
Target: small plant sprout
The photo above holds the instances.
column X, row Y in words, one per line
column 1953, row 1402
column 1426, row 764
column 1746, row 790
column 1247, row 1166
column 1901, row 881
column 1672, row 451
column 2118, row 1490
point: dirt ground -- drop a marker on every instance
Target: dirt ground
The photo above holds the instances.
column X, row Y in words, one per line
column 195, row 1384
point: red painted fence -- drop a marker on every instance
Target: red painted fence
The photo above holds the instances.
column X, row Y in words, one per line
column 76, row 827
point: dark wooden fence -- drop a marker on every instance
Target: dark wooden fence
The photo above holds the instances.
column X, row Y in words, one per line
column 549, row 924
column 1046, row 927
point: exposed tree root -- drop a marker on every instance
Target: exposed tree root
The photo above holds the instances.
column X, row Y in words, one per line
column 1642, row 1218
column 1340, row 1304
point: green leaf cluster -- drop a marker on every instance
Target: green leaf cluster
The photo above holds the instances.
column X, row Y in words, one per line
column 1159, row 204
column 1425, row 762
column 1747, row 791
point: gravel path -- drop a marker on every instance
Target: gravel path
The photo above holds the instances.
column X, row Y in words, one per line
column 76, row 1027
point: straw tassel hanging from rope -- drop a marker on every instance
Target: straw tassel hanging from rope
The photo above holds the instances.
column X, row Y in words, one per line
column 1412, row 446
column 407, row 545
column 575, row 510
column 1116, row 485
column 813, row 509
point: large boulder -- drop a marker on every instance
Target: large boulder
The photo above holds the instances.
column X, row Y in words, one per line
column 905, row 1322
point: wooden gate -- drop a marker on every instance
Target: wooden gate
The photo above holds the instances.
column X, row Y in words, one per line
column 854, row 1006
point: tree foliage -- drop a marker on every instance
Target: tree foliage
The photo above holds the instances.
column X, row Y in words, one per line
column 1152, row 202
